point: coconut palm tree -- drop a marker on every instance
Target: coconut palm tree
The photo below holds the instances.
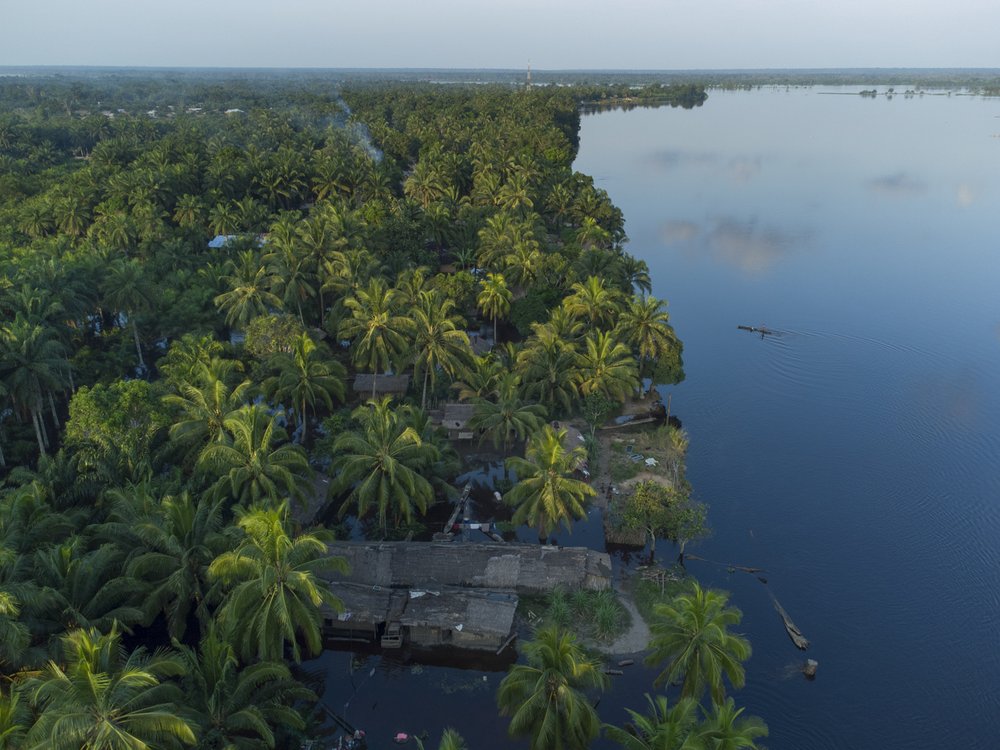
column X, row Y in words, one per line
column 236, row 707
column 255, row 463
column 724, row 729
column 101, row 697
column 307, row 376
column 15, row 718
column 176, row 543
column 545, row 697
column 546, row 366
column 691, row 634
column 644, row 325
column 606, row 366
column 247, row 295
column 32, row 365
column 439, row 343
column 662, row 727
column 593, row 302
column 202, row 407
column 494, row 298
column 275, row 590
column 546, row 494
column 85, row 589
column 480, row 379
column 127, row 290
column 506, row 415
column 380, row 465
column 380, row 336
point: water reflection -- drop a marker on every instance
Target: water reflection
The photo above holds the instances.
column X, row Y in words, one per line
column 741, row 243
column 899, row 184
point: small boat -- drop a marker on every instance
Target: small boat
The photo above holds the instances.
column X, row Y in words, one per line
column 762, row 330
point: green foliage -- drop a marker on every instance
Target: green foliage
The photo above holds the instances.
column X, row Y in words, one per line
column 596, row 615
column 545, row 697
column 267, row 335
column 113, row 429
column 691, row 638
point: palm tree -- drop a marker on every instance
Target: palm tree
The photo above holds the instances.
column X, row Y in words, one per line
column 32, row 363
column 450, row 740
column 506, row 414
column 606, row 367
column 546, row 494
column 380, row 335
column 254, row 462
column 85, row 589
column 592, row 301
column 545, row 697
column 15, row 718
column 202, row 407
column 177, row 542
column 723, row 728
column 381, row 465
column 288, row 274
column 247, row 296
column 663, row 727
column 127, row 290
column 644, row 325
column 103, row 698
column 238, row 707
column 276, row 591
column 481, row 379
column 438, row 341
column 494, row 299
column 691, row 634
column 546, row 366
column 306, row 376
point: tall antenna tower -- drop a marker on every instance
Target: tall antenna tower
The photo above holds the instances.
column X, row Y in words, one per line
column 529, row 74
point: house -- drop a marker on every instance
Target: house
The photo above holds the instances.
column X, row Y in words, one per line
column 394, row 385
column 456, row 420
column 428, row 594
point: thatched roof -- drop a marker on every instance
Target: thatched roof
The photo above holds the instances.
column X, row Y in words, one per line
column 524, row 568
column 383, row 383
column 457, row 416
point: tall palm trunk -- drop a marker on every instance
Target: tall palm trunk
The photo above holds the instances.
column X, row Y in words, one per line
column 138, row 346
column 423, row 399
column 38, row 432
column 52, row 409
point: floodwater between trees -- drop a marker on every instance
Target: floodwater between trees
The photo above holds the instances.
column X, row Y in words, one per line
column 854, row 454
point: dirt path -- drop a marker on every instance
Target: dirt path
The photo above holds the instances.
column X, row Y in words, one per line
column 636, row 639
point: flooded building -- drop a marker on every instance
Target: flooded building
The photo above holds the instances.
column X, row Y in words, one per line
column 427, row 594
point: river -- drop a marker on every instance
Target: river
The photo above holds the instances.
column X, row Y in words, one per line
column 854, row 453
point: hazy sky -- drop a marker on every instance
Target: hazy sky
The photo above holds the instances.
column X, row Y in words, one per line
column 550, row 34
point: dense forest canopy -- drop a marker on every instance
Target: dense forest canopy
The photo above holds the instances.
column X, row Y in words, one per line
column 192, row 271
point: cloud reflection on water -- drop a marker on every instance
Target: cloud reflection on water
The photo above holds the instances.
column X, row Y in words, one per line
column 736, row 242
column 899, row 184
column 740, row 168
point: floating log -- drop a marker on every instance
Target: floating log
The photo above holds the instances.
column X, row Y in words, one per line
column 794, row 633
column 741, row 568
column 506, row 643
column 459, row 507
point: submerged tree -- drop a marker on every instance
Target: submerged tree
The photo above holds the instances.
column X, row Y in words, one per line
column 691, row 634
column 545, row 697
column 546, row 494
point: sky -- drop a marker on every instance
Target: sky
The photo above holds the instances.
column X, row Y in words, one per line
column 547, row 34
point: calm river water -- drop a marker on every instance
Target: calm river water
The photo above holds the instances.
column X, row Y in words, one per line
column 855, row 455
